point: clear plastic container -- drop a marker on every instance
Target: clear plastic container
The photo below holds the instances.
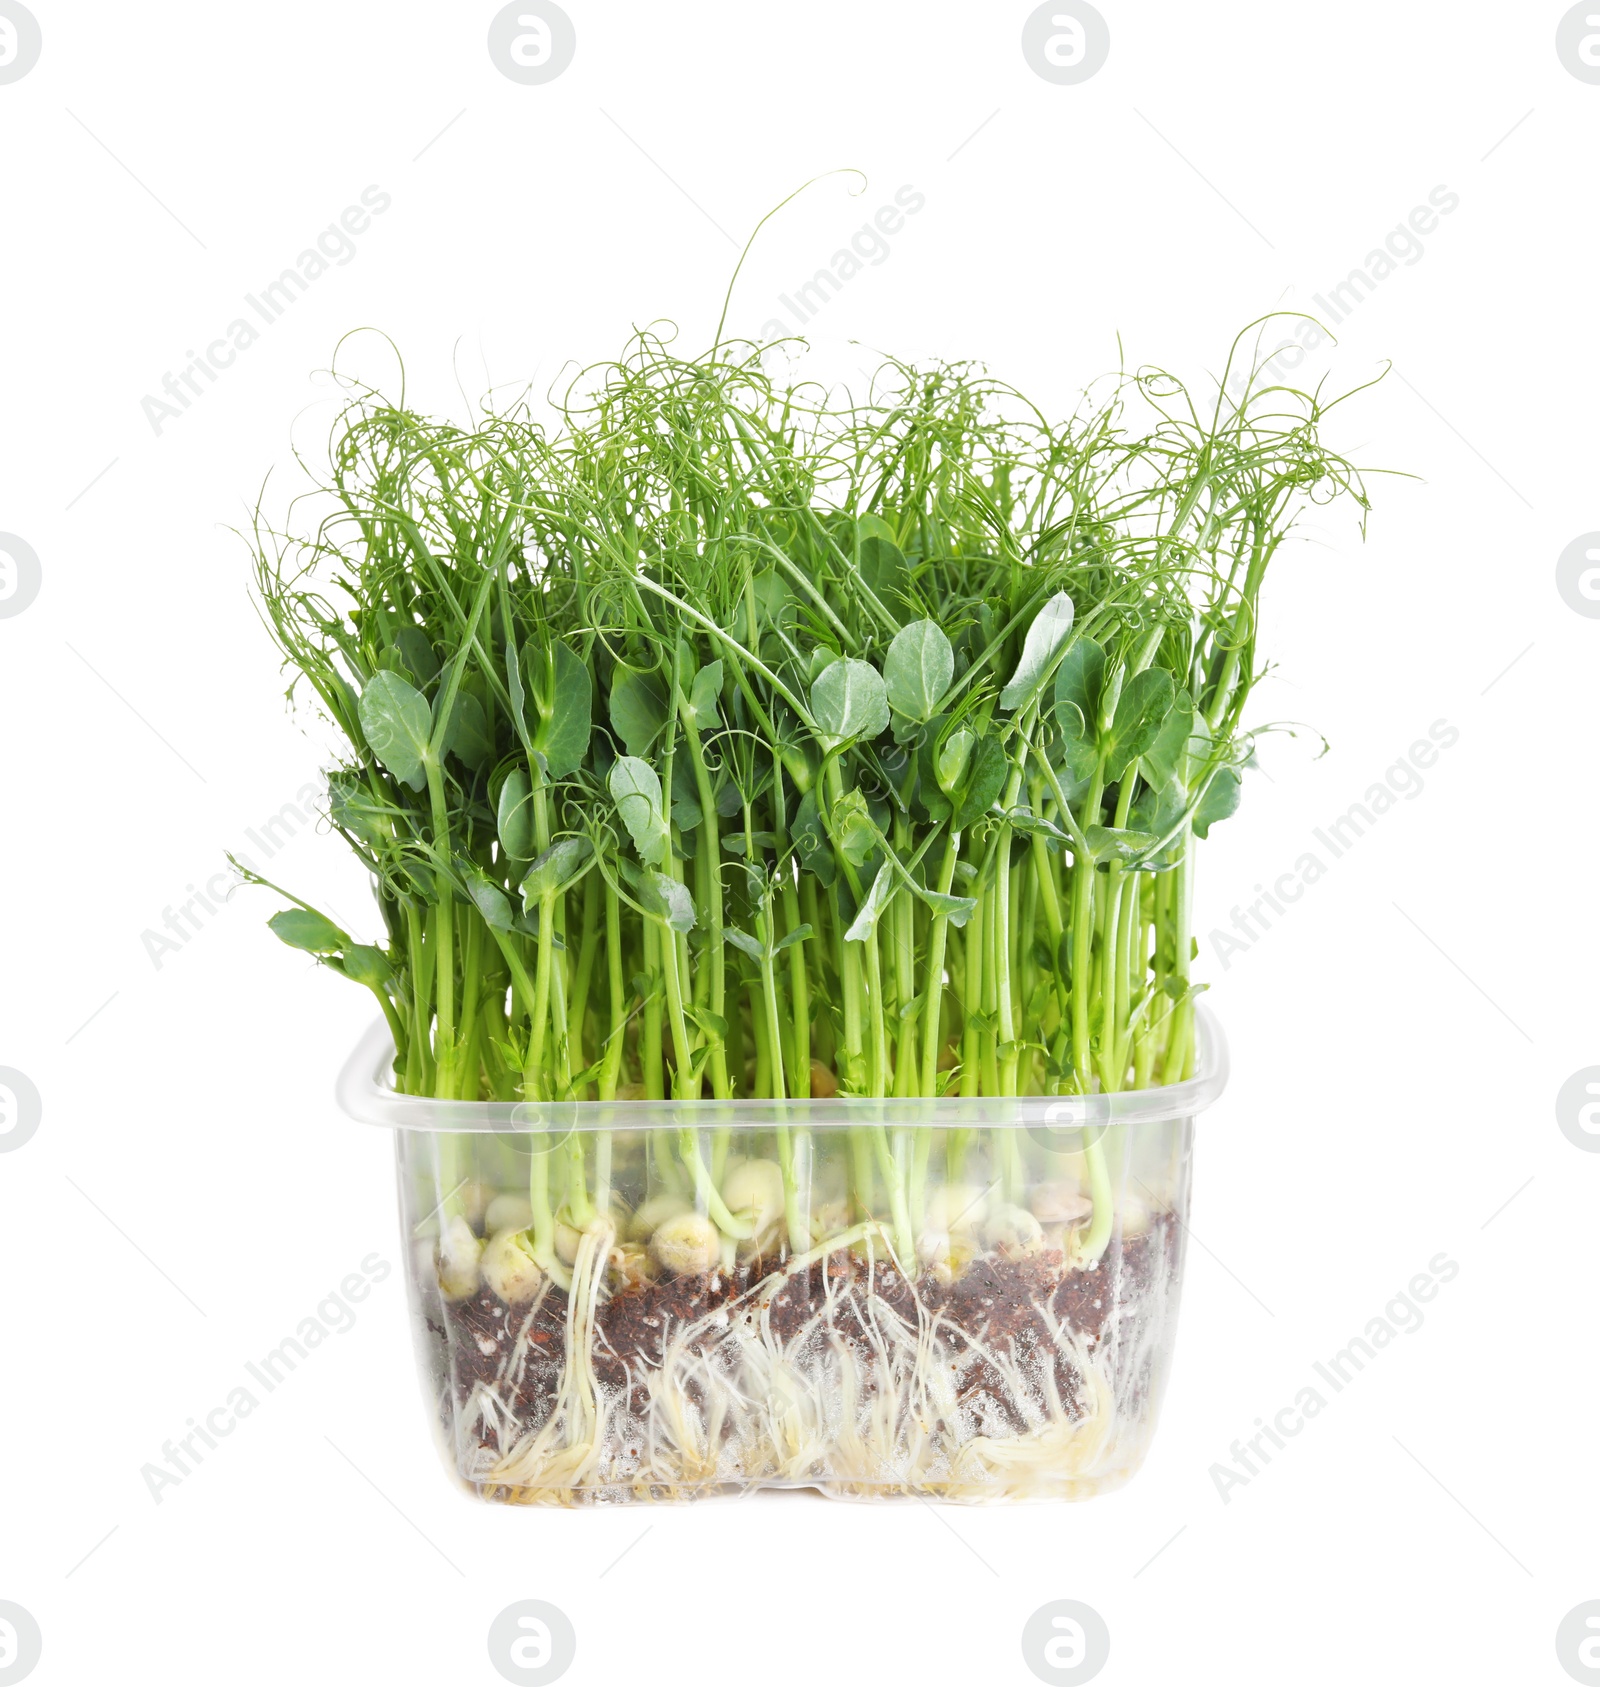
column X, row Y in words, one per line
column 957, row 1325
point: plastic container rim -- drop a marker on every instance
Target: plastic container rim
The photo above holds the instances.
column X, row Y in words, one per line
column 366, row 1094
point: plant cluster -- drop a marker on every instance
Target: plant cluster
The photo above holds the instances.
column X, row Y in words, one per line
column 728, row 739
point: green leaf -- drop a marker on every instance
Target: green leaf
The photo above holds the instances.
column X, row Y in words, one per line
column 396, row 721
column 935, row 804
column 636, row 790
column 514, row 690
column 1141, row 709
column 1198, row 751
column 564, row 862
column 713, row 1024
column 1109, row 843
column 1157, row 812
column 811, row 841
column 1045, row 637
column 918, row 669
column 883, row 566
column 675, row 900
column 743, row 940
column 819, row 659
column 1024, row 820
column 869, row 545
column 733, row 842
column 1077, row 750
column 798, row 935
column 352, row 807
column 467, row 735
column 1079, row 681
column 491, row 901
column 420, row 658
column 685, row 796
column 302, row 929
column 986, row 773
column 638, row 710
column 870, row 527
column 515, row 816
column 951, row 760
column 774, row 600
column 854, row 830
column 1221, row 800
column 877, row 899
column 365, row 965
column 662, row 897
column 849, row 700
column 564, row 696
column 956, row 909
column 704, row 695
column 1164, row 760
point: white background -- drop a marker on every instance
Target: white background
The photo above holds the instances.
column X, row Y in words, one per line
column 1398, row 1038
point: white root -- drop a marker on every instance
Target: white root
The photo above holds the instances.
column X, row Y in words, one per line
column 561, row 1453
column 872, row 1394
column 568, row 1236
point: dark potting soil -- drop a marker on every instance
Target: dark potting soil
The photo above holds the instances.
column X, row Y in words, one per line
column 994, row 1308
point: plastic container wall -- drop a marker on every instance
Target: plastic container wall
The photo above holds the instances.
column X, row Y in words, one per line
column 964, row 1300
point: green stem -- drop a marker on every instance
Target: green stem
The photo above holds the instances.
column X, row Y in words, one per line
column 683, row 1085
column 933, row 988
column 894, row 1167
column 1128, row 926
column 1179, row 1061
column 471, row 985
column 1083, row 883
column 584, row 978
column 541, row 993
column 989, row 1041
column 442, row 914
column 651, row 1074
column 861, row 1169
column 971, row 1031
column 1004, row 1002
column 709, row 846
column 1113, row 976
column 799, row 977
column 417, row 1056
column 618, row 996
column 705, row 1188
column 878, row 1068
